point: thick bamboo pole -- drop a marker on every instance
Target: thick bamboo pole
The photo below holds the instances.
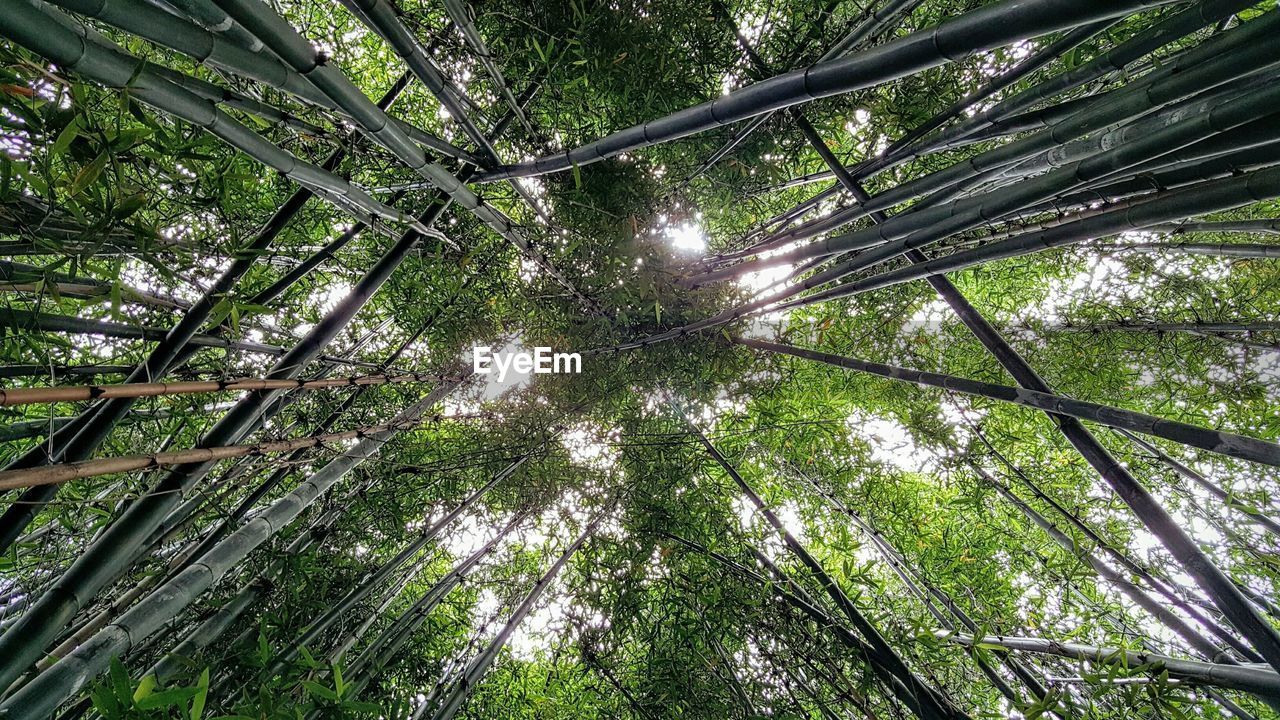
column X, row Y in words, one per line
column 1245, row 448
column 1188, row 202
column 1260, row 681
column 1226, row 250
column 208, row 15
column 1180, row 24
column 983, row 29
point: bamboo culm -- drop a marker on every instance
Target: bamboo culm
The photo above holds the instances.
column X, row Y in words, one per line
column 1246, row 678
column 986, row 28
column 1231, row 444
column 1199, row 15
column 1195, row 200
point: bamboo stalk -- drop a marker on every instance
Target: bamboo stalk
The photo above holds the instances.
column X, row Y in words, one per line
column 1260, row 681
column 1231, row 444
column 208, row 15
column 459, row 12
column 1227, row 250
column 1254, row 516
column 987, row 28
column 1195, row 200
column 1116, row 59
column 66, row 472
column 1201, row 644
column 931, row 597
column 1190, row 201
column 32, row 278
column 896, row 153
column 1173, row 592
column 862, row 30
column 383, row 18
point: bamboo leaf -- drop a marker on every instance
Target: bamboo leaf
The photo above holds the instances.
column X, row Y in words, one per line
column 202, row 694
column 145, row 687
column 166, row 698
column 120, row 683
column 319, row 691
column 63, row 141
column 88, row 175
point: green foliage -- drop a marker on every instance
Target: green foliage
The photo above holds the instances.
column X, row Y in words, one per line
column 123, row 214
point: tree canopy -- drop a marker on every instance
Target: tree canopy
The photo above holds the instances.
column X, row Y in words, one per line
column 929, row 359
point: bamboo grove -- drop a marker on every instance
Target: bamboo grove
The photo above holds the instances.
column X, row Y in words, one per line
column 930, row 359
